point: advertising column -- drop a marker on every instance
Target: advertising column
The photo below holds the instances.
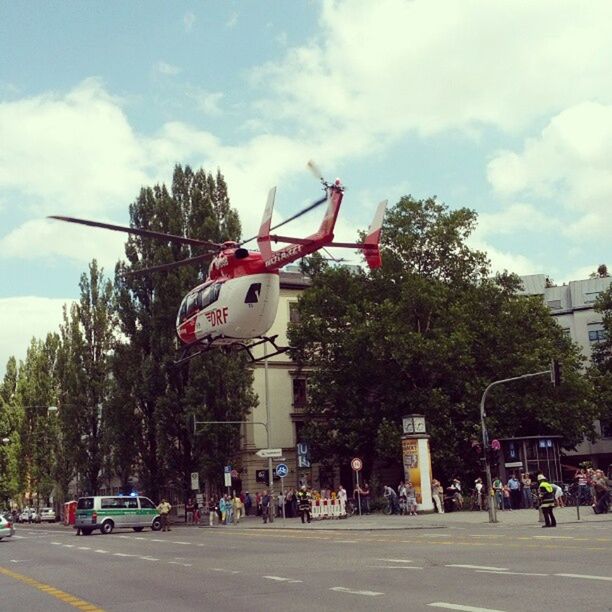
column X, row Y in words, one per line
column 417, row 459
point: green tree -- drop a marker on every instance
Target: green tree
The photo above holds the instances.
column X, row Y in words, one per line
column 600, row 371
column 427, row 334
column 87, row 336
column 163, row 398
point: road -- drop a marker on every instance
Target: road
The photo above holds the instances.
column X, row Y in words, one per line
column 476, row 568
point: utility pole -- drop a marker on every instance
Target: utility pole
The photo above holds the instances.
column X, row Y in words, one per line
column 485, row 436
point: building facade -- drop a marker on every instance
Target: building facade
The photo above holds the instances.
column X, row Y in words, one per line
column 572, row 306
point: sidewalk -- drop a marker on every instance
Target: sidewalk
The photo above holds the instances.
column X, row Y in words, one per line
column 375, row 522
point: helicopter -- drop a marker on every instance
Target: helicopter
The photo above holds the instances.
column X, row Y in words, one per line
column 237, row 302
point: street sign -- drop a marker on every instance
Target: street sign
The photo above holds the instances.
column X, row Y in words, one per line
column 282, row 470
column 227, row 469
column 200, row 499
column 228, row 479
column 357, row 464
column 195, row 481
column 269, row 453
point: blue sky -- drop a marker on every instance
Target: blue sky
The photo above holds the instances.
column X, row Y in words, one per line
column 502, row 107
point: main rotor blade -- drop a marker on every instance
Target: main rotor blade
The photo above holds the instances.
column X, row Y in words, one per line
column 297, row 215
column 169, row 266
column 139, row 232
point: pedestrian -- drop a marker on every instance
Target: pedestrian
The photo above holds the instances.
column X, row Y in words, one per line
column 222, row 510
column 478, row 487
column 365, row 498
column 266, row 506
column 402, row 498
column 229, row 509
column 558, row 495
column 213, row 511
column 457, row 494
column 411, row 502
column 515, row 492
column 197, row 514
column 498, row 491
column 602, row 492
column 248, row 503
column 164, row 514
column 547, row 500
column 392, row 499
column 526, row 490
column 304, row 504
column 343, row 498
column 237, row 508
column 258, row 507
column 506, row 496
column 189, row 510
column 437, row 495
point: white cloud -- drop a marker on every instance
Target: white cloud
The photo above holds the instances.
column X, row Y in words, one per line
column 568, row 163
column 30, row 317
column 167, row 69
column 504, row 260
column 188, row 21
column 208, row 101
column 232, row 20
column 69, row 153
column 392, row 66
column 515, row 218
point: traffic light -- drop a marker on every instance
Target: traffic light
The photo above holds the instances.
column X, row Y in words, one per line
column 555, row 373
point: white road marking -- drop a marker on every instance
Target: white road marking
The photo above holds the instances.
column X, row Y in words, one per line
column 281, row 579
column 478, row 567
column 584, row 576
column 102, row 552
column 400, row 567
column 221, row 569
column 57, row 543
column 452, row 606
column 553, row 538
column 154, row 540
column 504, row 573
column 84, row 547
column 123, row 555
column 148, row 558
column 396, row 560
column 178, row 563
column 346, row 541
column 366, row 593
column 175, row 542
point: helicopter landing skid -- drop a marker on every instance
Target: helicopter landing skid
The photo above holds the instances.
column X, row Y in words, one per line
column 229, row 346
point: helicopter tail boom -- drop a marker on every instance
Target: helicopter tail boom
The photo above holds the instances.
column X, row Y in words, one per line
column 372, row 250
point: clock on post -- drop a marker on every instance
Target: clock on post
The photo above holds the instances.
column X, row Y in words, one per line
column 414, row 424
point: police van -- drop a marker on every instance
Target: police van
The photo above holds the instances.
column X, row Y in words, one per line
column 105, row 512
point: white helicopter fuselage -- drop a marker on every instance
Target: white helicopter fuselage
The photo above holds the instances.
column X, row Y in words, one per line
column 229, row 310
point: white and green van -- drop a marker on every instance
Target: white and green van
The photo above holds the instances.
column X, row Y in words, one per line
column 105, row 512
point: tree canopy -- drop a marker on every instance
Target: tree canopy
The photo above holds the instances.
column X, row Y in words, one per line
column 426, row 334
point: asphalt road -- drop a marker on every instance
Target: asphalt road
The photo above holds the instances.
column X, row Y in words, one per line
column 479, row 568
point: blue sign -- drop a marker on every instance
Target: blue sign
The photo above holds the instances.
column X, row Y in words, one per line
column 227, row 469
column 282, row 470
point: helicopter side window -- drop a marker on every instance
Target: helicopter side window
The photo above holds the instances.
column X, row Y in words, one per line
column 209, row 295
column 183, row 311
column 192, row 304
column 252, row 296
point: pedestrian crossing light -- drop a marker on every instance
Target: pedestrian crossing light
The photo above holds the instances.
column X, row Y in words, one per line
column 555, row 373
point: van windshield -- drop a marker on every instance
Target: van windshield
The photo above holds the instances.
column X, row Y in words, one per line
column 85, row 503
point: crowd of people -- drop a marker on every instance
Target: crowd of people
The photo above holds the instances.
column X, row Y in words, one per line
column 520, row 491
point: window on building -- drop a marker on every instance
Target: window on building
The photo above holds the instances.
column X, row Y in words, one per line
column 554, row 304
column 597, row 335
column 606, row 428
column 294, row 314
column 299, row 392
column 590, row 297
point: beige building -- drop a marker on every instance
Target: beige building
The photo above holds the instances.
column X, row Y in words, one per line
column 571, row 305
column 282, row 395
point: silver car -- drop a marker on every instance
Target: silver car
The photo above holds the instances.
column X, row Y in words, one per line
column 6, row 527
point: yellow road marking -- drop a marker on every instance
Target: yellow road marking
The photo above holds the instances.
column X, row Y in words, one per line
column 71, row 600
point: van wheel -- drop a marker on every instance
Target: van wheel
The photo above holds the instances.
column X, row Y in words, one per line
column 86, row 531
column 156, row 524
column 107, row 527
column 139, row 529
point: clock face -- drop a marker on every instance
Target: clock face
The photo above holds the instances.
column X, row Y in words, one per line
column 408, row 426
column 419, row 425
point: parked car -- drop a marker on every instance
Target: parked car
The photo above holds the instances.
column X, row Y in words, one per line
column 47, row 515
column 6, row 528
column 24, row 516
column 29, row 515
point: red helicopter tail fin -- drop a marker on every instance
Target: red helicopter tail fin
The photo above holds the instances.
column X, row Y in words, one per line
column 372, row 251
column 334, row 198
column 263, row 238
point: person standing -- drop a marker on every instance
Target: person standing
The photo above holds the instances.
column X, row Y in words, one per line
column 266, row 506
column 547, row 500
column 248, row 503
column 237, row 508
column 526, row 490
column 164, row 514
column 498, row 491
column 515, row 492
column 437, row 495
column 365, row 498
column 411, row 502
column 303, row 498
column 342, row 497
column 189, row 511
column 478, row 487
column 213, row 510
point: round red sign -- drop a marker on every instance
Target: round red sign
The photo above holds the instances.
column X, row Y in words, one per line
column 356, row 464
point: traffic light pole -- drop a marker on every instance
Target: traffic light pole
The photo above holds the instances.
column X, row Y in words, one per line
column 485, row 437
